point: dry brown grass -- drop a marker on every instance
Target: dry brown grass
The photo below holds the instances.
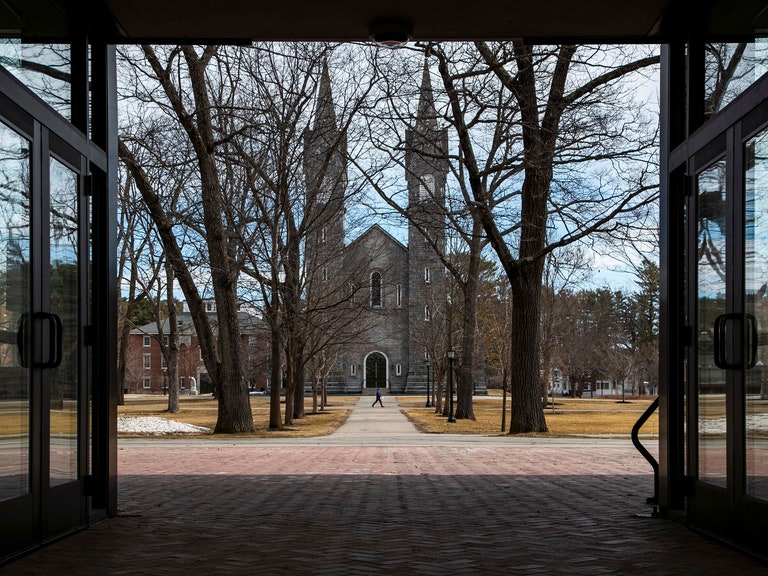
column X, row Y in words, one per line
column 202, row 411
column 571, row 417
column 15, row 420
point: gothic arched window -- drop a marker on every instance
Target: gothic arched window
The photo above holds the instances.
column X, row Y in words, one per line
column 426, row 187
column 325, row 190
column 376, row 296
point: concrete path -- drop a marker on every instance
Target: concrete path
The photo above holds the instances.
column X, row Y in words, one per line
column 373, row 425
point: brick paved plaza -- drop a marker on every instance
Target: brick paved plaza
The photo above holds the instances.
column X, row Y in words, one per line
column 457, row 506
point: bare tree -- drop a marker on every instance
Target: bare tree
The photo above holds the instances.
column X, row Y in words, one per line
column 291, row 155
column 178, row 81
column 549, row 140
column 131, row 244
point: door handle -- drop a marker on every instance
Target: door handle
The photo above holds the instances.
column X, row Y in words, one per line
column 721, row 322
column 55, row 339
column 719, row 333
column 752, row 324
column 21, row 340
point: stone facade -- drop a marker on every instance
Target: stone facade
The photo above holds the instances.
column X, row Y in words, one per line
column 379, row 306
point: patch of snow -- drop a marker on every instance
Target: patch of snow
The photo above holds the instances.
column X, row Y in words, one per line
column 756, row 423
column 155, row 425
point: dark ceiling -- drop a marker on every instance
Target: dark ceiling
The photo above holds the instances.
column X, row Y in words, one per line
column 245, row 20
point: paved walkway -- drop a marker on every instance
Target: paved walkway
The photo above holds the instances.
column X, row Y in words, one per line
column 375, row 504
column 374, row 425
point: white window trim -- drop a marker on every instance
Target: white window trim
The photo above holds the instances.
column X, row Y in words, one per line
column 146, row 383
column 353, row 370
column 427, row 275
column 398, row 369
column 427, row 314
column 399, row 295
column 147, row 341
column 147, row 360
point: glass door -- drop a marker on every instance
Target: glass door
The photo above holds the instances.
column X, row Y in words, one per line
column 728, row 270
column 754, row 497
column 42, row 311
column 17, row 433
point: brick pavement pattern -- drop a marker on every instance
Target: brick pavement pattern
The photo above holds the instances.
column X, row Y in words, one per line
column 526, row 508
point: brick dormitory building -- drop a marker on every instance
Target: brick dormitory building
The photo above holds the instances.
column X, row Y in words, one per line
column 146, row 365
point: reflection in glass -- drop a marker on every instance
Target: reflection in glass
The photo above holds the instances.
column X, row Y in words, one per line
column 14, row 308
column 64, row 303
column 711, row 234
column 43, row 68
column 756, row 285
column 729, row 69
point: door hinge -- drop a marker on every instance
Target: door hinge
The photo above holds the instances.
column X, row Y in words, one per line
column 88, row 485
column 88, row 184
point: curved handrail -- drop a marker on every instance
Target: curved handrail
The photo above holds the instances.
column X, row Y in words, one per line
column 644, row 451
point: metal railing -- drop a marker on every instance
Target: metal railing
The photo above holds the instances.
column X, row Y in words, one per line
column 644, row 451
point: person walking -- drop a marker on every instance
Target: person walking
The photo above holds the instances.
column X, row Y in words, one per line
column 378, row 398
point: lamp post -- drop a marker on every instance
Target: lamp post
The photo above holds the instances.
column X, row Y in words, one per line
column 451, row 417
column 429, row 396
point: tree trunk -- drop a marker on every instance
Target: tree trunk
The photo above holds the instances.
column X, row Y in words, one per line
column 504, row 404
column 299, row 410
column 437, row 391
column 315, row 381
column 125, row 333
column 447, row 395
column 224, row 365
column 290, row 384
column 173, row 345
column 527, row 410
column 234, row 415
column 275, row 421
column 324, row 397
column 466, row 372
column 128, row 250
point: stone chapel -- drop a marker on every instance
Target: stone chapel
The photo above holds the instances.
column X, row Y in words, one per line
column 379, row 306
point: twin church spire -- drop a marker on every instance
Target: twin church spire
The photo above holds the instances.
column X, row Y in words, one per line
column 426, row 146
column 402, row 288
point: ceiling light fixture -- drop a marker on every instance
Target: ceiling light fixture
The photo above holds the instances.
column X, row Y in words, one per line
column 391, row 33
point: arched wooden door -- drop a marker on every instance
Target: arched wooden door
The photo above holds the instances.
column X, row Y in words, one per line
column 375, row 370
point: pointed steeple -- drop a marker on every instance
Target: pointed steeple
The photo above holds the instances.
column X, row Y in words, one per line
column 426, row 145
column 426, row 116
column 325, row 115
column 325, row 150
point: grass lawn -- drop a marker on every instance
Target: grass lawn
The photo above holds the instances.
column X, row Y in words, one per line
column 571, row 416
column 202, row 411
